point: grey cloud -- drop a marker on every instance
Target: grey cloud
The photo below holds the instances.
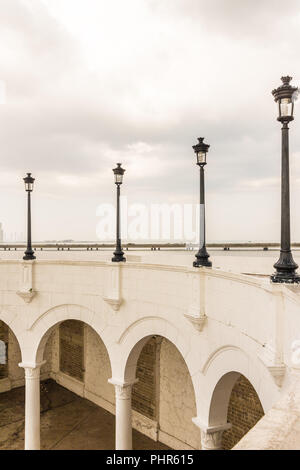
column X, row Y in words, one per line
column 235, row 18
column 63, row 119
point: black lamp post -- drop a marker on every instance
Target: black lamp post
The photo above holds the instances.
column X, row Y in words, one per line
column 29, row 253
column 202, row 256
column 118, row 254
column 285, row 267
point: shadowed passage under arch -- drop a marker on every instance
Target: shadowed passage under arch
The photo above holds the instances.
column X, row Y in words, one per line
column 164, row 393
column 235, row 401
column 244, row 411
column 11, row 375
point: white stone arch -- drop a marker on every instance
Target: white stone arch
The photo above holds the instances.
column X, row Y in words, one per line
column 7, row 319
column 134, row 338
column 42, row 328
column 221, row 371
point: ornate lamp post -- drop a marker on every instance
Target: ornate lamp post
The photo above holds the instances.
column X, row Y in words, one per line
column 202, row 256
column 118, row 254
column 29, row 253
column 285, row 95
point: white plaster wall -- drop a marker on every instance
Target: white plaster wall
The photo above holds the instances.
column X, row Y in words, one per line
column 177, row 404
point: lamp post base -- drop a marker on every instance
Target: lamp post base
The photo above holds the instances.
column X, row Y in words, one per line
column 286, row 277
column 118, row 257
column 202, row 259
column 29, row 255
column 286, row 269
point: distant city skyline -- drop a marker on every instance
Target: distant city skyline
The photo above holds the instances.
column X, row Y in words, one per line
column 83, row 88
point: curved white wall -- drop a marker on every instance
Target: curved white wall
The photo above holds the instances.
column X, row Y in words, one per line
column 219, row 322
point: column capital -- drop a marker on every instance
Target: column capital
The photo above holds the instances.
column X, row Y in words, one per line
column 211, row 440
column 123, row 389
column 211, row 436
column 32, row 370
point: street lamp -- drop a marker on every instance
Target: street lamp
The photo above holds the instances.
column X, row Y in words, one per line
column 202, row 256
column 285, row 95
column 29, row 253
column 118, row 254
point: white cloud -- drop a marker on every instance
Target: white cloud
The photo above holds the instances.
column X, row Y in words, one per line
column 91, row 83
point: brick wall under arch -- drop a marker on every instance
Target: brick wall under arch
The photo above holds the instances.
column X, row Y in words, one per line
column 165, row 394
column 244, row 411
column 71, row 348
column 145, row 392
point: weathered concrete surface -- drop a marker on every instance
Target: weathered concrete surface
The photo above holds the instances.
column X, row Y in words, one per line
column 279, row 429
column 68, row 422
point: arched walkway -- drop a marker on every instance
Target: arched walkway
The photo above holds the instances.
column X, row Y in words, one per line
column 221, row 370
column 167, row 390
column 184, row 389
column 78, row 360
column 11, row 379
column 137, row 334
column 62, row 340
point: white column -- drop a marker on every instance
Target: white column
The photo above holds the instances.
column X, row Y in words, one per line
column 211, row 436
column 32, row 405
column 123, row 414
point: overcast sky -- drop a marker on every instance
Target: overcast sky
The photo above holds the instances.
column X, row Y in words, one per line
column 93, row 82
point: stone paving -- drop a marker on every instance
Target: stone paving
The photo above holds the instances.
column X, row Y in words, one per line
column 68, row 422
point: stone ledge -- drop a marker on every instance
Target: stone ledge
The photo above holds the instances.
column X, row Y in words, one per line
column 197, row 322
column 27, row 296
column 114, row 303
